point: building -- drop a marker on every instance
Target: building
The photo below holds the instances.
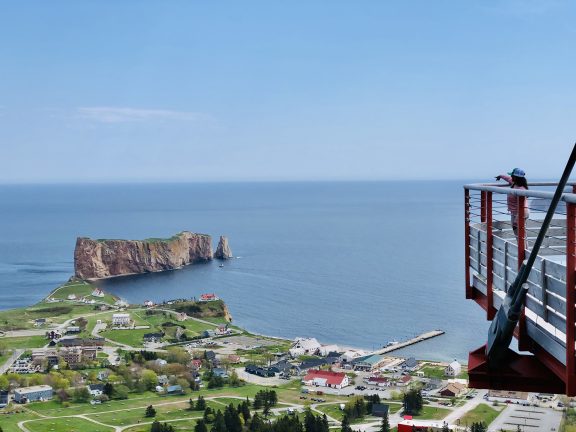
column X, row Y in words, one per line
column 208, row 297
column 304, row 346
column 260, row 371
column 121, row 319
column 453, row 369
column 96, row 389
column 34, row 393
column 410, row 425
column 324, row 350
column 220, row 372
column 39, row 322
column 53, row 334
column 404, row 381
column 3, row 398
column 378, row 381
column 174, row 389
column 73, row 329
column 410, row 364
column 368, row 363
column 153, row 337
column 380, row 410
column 98, row 292
column 322, row 378
column 71, row 342
column 452, row 389
column 148, row 303
column 313, row 363
column 72, row 356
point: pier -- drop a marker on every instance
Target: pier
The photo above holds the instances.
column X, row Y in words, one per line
column 414, row 340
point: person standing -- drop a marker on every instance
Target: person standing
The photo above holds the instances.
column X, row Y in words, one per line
column 516, row 179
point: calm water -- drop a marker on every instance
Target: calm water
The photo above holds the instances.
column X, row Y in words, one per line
column 357, row 264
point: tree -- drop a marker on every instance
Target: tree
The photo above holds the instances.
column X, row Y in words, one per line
column 150, row 411
column 200, row 426
column 413, row 402
column 346, row 424
column 149, row 379
column 219, row 423
column 200, row 404
column 81, row 394
column 108, row 389
column 385, row 425
column 445, row 427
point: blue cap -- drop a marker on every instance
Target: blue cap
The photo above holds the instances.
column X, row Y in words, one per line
column 517, row 172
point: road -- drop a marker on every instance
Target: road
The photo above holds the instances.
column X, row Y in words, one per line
column 15, row 354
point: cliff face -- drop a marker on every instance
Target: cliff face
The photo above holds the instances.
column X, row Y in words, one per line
column 223, row 250
column 96, row 259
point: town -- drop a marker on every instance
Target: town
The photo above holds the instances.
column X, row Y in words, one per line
column 83, row 359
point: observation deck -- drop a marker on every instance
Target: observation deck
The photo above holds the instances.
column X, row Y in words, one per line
column 494, row 253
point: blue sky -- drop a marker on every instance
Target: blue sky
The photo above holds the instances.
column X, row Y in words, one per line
column 120, row 90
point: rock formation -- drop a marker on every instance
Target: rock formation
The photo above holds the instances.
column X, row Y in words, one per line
column 223, row 250
column 97, row 259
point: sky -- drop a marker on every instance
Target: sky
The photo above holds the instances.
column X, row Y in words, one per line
column 140, row 90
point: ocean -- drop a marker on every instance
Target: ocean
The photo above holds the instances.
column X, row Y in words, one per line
column 352, row 263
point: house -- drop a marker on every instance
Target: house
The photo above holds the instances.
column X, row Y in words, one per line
column 304, row 346
column 208, row 333
column 96, row 389
column 53, row 334
column 350, row 355
column 34, row 393
column 196, row 364
column 285, row 369
column 72, row 356
column 321, row 378
column 72, row 329
column 234, row 359
column 98, row 293
column 3, row 398
column 378, row 381
column 220, row 372
column 39, row 322
column 89, row 353
column 121, row 319
column 260, row 371
column 380, row 410
column 103, row 375
column 404, row 381
column 410, row 364
column 223, row 330
column 174, row 389
column 148, row 303
column 211, row 357
column 368, row 363
column 153, row 337
column 313, row 363
column 72, row 297
column 453, row 369
column 121, row 303
column 452, row 389
column 208, row 297
column 325, row 349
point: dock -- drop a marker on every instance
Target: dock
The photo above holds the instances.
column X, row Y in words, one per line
column 414, row 340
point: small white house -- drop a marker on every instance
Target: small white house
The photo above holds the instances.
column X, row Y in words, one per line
column 121, row 319
column 302, row 346
column 453, row 369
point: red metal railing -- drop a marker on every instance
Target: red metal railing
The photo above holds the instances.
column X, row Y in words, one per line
column 487, row 222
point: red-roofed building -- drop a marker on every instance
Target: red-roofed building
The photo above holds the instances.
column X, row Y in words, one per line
column 209, row 297
column 379, row 381
column 321, row 378
column 404, row 380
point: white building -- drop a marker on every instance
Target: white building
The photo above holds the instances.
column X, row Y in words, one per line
column 453, row 369
column 302, row 346
column 325, row 349
column 121, row 319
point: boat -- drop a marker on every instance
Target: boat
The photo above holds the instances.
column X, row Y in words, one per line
column 221, row 265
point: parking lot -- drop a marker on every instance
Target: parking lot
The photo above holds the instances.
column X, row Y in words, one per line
column 528, row 418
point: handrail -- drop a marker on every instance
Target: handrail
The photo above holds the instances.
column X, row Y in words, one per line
column 505, row 189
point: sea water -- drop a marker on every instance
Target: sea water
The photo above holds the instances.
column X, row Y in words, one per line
column 357, row 264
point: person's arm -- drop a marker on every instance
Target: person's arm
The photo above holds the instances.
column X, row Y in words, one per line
column 505, row 177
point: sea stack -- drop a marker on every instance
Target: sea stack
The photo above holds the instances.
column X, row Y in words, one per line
column 97, row 259
column 223, row 250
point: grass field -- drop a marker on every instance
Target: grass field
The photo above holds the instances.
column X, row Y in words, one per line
column 432, row 413
column 24, row 342
column 80, row 289
column 482, row 413
column 68, row 424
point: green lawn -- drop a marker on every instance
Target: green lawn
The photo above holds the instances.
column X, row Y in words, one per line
column 432, row 413
column 68, row 424
column 334, row 411
column 80, row 289
column 23, row 342
column 482, row 413
column 127, row 337
column 9, row 422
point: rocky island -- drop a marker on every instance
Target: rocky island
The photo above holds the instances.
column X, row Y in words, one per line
column 102, row 258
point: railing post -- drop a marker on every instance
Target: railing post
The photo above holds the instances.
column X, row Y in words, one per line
column 523, row 339
column 482, row 206
column 469, row 294
column 490, row 312
column 570, row 297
